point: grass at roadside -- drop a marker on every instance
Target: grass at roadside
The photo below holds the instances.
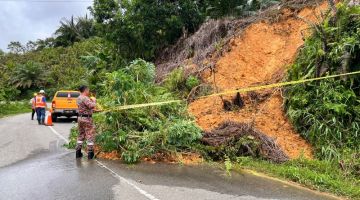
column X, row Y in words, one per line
column 12, row 108
column 319, row 175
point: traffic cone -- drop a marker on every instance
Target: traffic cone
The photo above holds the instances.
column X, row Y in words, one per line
column 49, row 119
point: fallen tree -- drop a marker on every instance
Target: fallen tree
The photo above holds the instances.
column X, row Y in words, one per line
column 240, row 139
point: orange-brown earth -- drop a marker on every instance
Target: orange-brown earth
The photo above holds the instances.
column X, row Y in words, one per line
column 184, row 158
column 260, row 55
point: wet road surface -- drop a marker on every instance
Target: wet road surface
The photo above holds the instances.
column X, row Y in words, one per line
column 34, row 165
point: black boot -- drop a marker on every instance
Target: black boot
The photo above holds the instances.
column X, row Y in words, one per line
column 91, row 154
column 39, row 122
column 79, row 154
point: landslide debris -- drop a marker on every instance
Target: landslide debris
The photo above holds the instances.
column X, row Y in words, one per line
column 191, row 51
column 198, row 51
column 247, row 140
column 259, row 55
column 238, row 53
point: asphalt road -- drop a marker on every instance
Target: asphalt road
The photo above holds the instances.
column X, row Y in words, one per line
column 34, row 165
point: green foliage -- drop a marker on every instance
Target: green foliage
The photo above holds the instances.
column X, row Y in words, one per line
column 142, row 71
column 51, row 69
column 183, row 133
column 8, row 93
column 28, row 75
column 11, row 108
column 192, row 82
column 73, row 30
column 107, row 140
column 140, row 28
column 178, row 83
column 327, row 113
column 141, row 132
column 74, row 131
column 316, row 174
column 228, row 166
column 219, row 8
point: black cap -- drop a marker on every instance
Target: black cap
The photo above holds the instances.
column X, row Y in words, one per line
column 83, row 88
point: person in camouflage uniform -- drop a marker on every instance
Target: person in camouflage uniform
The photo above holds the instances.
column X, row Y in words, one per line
column 86, row 126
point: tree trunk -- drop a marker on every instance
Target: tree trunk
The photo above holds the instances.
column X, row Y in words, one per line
column 345, row 64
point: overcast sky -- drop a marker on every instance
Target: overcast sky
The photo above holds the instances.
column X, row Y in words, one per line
column 24, row 20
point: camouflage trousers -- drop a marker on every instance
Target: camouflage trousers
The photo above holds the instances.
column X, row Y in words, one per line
column 86, row 131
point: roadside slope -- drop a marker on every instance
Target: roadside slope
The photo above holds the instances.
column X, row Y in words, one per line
column 259, row 55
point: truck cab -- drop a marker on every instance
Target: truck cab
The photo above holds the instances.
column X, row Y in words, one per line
column 64, row 104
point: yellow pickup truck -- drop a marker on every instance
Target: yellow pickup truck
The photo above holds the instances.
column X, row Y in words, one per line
column 64, row 104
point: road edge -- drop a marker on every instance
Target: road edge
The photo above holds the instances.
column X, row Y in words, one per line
column 112, row 172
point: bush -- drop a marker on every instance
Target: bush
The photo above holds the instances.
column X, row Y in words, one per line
column 192, row 82
column 74, row 132
column 183, row 133
column 178, row 83
column 11, row 108
column 141, row 132
column 327, row 113
column 8, row 93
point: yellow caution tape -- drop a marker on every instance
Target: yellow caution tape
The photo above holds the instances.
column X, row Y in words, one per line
column 126, row 107
column 242, row 90
column 255, row 88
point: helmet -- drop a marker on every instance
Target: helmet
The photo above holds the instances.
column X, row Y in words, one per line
column 35, row 94
column 42, row 92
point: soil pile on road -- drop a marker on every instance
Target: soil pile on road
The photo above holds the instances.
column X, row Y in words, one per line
column 259, row 55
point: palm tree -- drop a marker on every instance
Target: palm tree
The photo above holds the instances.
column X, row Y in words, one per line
column 74, row 30
column 28, row 75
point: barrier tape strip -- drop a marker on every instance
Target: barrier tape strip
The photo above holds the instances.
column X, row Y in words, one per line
column 255, row 88
column 126, row 107
column 242, row 90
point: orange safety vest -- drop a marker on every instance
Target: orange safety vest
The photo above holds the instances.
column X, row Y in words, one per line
column 39, row 102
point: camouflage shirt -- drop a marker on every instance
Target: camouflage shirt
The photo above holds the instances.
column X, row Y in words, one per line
column 85, row 105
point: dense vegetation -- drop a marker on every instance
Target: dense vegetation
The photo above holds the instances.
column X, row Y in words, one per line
column 142, row 132
column 11, row 108
column 139, row 29
column 49, row 69
column 327, row 113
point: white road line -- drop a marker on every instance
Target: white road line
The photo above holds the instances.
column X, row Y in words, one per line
column 58, row 134
column 122, row 179
column 143, row 192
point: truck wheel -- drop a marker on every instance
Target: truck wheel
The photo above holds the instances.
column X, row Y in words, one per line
column 54, row 118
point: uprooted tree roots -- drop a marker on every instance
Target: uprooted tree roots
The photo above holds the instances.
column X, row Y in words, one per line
column 239, row 139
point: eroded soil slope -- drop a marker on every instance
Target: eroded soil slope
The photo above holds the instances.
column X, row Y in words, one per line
column 260, row 55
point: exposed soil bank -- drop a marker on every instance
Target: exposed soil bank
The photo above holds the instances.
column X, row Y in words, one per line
column 260, row 55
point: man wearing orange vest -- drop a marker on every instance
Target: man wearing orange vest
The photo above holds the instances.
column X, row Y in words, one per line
column 40, row 105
